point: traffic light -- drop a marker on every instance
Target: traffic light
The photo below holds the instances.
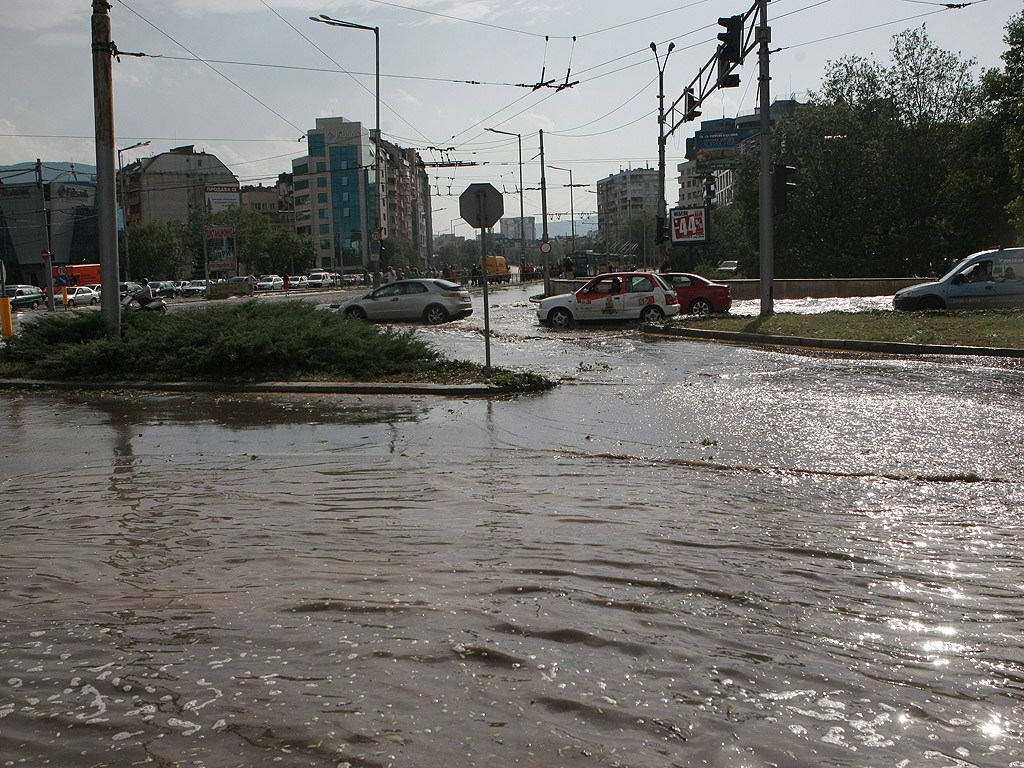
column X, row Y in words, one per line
column 709, row 190
column 731, row 48
column 726, row 80
column 690, row 112
column 781, row 186
column 660, row 230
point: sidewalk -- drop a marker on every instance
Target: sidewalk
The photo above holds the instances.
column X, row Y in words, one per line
column 833, row 345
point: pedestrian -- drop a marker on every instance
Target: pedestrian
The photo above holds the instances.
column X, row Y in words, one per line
column 665, row 265
column 287, row 285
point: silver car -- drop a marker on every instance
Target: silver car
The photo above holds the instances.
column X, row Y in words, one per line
column 435, row 301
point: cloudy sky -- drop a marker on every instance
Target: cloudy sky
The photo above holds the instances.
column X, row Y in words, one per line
column 244, row 79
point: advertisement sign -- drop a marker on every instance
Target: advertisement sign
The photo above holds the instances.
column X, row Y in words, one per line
column 688, row 225
column 220, row 249
column 718, row 149
column 220, row 198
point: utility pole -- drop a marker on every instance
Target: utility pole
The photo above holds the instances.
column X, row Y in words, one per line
column 660, row 220
column 764, row 36
column 47, row 255
column 545, row 244
column 106, row 197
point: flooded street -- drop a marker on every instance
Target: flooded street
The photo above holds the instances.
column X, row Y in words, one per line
column 688, row 554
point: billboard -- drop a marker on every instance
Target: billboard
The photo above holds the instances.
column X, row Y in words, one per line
column 220, row 249
column 222, row 197
column 718, row 149
column 688, row 225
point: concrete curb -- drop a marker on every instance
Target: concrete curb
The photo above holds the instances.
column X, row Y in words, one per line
column 832, row 345
column 274, row 387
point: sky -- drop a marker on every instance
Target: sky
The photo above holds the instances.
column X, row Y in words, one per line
column 245, row 79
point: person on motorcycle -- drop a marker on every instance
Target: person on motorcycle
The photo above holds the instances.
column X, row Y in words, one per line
column 145, row 296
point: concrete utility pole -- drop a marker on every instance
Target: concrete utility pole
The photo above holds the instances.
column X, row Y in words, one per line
column 662, row 202
column 764, row 37
column 545, row 242
column 46, row 255
column 106, row 197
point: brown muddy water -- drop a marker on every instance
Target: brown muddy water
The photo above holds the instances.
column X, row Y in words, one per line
column 684, row 556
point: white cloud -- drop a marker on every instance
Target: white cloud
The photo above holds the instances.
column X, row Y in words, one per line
column 31, row 15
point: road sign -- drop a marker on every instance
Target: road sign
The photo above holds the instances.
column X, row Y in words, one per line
column 481, row 205
column 545, row 247
column 62, row 281
column 688, row 225
column 375, row 235
column 62, row 270
column 45, row 255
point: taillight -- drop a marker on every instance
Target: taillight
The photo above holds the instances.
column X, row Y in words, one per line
column 670, row 299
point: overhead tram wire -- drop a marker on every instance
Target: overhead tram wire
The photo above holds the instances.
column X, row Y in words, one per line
column 221, row 74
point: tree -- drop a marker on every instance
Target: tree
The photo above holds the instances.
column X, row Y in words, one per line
column 156, row 249
column 1003, row 95
column 288, row 253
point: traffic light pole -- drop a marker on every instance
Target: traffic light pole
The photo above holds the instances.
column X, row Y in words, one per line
column 766, row 209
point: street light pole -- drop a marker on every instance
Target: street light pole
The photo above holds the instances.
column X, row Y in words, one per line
column 572, row 213
column 124, row 208
column 662, row 203
column 324, row 19
column 522, row 215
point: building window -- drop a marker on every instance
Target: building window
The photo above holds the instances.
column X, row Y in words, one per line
column 321, row 167
column 321, row 181
column 316, row 144
column 325, row 229
column 300, row 170
column 322, row 213
column 325, row 245
column 301, row 184
column 321, row 197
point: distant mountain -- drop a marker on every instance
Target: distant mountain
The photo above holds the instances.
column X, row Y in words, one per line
column 25, row 173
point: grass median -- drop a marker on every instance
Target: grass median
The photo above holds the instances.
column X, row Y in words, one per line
column 251, row 341
column 993, row 328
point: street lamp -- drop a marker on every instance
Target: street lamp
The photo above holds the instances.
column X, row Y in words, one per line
column 572, row 213
column 124, row 208
column 522, row 216
column 324, row 19
column 662, row 204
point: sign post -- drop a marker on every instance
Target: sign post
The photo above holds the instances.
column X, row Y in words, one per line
column 45, row 256
column 481, row 205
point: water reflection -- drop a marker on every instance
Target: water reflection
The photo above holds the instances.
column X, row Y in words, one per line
column 685, row 555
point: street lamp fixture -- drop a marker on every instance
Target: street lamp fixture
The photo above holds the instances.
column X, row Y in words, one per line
column 124, row 207
column 522, row 215
column 324, row 19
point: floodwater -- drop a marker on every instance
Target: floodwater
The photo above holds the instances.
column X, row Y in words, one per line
column 688, row 554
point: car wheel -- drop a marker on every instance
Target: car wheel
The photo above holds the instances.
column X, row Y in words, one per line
column 651, row 314
column 71, row 302
column 932, row 302
column 701, row 307
column 92, row 301
column 435, row 314
column 560, row 318
column 35, row 305
column 357, row 312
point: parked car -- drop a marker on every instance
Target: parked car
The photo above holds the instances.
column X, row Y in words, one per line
column 194, row 288
column 729, row 267
column 297, row 282
column 697, row 295
column 318, row 280
column 166, row 289
column 98, row 287
column 25, row 296
column 270, row 283
column 640, row 296
column 435, row 301
column 78, row 295
column 984, row 280
column 129, row 287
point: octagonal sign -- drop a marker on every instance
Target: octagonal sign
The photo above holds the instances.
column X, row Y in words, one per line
column 481, row 205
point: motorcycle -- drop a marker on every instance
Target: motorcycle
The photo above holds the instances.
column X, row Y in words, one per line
column 131, row 303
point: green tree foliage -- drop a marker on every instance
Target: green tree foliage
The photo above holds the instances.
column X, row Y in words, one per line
column 252, row 236
column 288, row 253
column 896, row 169
column 156, row 249
column 1003, row 94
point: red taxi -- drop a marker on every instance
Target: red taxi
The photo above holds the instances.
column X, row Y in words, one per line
column 642, row 296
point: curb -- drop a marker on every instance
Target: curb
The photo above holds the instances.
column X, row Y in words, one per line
column 832, row 345
column 274, row 387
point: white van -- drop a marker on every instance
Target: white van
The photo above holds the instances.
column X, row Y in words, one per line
column 984, row 280
column 319, row 280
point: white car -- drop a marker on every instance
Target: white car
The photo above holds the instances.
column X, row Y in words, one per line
column 78, row 295
column 270, row 283
column 297, row 282
column 642, row 296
